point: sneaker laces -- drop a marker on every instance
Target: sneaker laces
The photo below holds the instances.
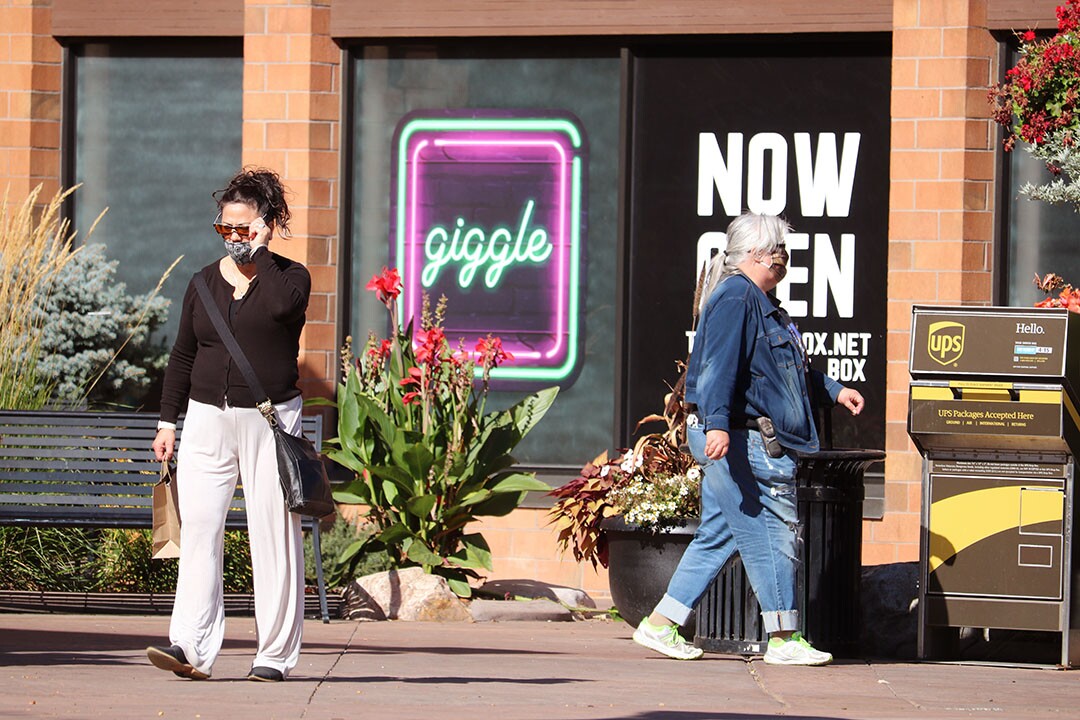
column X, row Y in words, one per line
column 674, row 638
column 798, row 637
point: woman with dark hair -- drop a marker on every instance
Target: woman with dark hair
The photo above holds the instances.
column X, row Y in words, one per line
column 263, row 297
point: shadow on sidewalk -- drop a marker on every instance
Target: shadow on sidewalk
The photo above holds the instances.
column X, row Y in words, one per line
column 442, row 650
column 448, row 680
column 696, row 715
column 64, row 647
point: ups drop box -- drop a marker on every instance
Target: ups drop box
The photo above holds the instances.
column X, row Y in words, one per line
column 993, row 408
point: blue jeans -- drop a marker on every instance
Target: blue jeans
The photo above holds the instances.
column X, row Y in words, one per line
column 747, row 505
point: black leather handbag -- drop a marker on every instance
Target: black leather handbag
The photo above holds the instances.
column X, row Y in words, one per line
column 300, row 469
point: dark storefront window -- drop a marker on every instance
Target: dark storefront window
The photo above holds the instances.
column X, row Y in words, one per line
column 157, row 128
column 518, row 143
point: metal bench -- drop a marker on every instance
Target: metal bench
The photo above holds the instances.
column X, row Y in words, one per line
column 96, row 470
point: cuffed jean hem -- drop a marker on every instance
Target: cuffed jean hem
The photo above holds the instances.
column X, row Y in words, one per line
column 673, row 610
column 780, row 620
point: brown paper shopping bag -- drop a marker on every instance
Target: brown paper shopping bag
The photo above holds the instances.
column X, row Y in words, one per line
column 166, row 515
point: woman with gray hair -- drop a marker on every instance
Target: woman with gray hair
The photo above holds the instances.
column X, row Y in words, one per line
column 748, row 386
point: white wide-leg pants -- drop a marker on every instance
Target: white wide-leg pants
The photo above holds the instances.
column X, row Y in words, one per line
column 218, row 446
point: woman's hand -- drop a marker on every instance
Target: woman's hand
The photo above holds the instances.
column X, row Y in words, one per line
column 261, row 233
column 164, row 443
column 716, row 443
column 851, row 399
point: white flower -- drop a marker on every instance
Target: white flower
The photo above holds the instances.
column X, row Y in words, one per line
column 605, row 470
column 693, row 473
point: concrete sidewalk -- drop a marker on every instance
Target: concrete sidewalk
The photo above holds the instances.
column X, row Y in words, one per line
column 79, row 666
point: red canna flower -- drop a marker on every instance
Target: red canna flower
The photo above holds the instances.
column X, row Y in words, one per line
column 416, row 380
column 491, row 352
column 381, row 351
column 429, row 345
column 387, row 285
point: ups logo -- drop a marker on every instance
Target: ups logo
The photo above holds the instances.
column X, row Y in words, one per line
column 946, row 342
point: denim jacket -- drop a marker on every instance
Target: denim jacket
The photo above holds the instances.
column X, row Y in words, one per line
column 748, row 361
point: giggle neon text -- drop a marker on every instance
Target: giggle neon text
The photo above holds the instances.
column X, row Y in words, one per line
column 474, row 249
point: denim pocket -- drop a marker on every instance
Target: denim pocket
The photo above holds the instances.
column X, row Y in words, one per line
column 695, row 438
column 781, row 348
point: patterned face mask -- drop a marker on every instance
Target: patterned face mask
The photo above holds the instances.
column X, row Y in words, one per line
column 777, row 263
column 240, row 252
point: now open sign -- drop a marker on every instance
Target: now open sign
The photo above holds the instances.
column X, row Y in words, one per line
column 488, row 209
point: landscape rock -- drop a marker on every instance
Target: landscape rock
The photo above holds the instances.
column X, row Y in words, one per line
column 535, row 589
column 505, row 610
column 408, row 594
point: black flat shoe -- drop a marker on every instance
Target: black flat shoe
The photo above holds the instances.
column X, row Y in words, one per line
column 265, row 674
column 173, row 658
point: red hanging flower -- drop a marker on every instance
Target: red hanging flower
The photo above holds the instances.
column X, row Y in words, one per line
column 1038, row 101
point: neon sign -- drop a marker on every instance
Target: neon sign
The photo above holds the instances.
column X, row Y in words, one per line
column 488, row 210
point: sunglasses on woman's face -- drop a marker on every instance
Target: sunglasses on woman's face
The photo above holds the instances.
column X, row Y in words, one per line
column 225, row 230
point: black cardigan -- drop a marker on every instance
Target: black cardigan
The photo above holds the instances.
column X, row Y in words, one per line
column 267, row 324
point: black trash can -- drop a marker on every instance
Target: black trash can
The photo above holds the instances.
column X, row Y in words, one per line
column 829, row 490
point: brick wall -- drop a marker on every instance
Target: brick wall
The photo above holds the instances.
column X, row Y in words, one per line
column 940, row 216
column 29, row 100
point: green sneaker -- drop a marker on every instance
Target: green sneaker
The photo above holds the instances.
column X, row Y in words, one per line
column 795, row 651
column 666, row 640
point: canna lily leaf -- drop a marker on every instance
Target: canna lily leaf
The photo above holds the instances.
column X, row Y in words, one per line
column 394, row 534
column 516, row 482
column 474, row 553
column 390, row 492
column 352, row 550
column 421, row 505
column 394, row 474
column 499, row 505
column 349, row 498
column 420, row 553
column 418, row 459
column 474, row 498
column 460, row 587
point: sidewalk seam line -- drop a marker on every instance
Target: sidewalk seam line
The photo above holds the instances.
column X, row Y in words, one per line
column 330, row 670
column 760, row 682
column 887, row 684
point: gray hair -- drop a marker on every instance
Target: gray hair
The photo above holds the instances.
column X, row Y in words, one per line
column 747, row 235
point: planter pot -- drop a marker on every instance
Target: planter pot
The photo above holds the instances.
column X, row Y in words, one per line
column 640, row 564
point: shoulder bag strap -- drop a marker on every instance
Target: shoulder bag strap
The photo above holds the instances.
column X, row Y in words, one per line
column 265, row 406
